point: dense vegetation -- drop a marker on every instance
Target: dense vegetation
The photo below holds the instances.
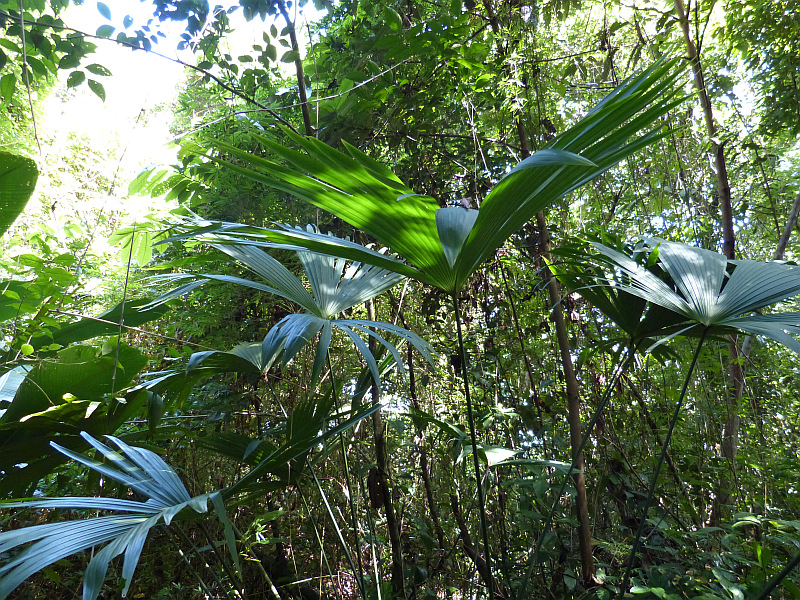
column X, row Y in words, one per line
column 454, row 300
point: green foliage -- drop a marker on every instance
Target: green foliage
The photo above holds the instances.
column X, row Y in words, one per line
column 141, row 470
column 449, row 96
column 17, row 181
column 365, row 194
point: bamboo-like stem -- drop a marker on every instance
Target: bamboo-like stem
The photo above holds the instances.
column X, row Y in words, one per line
column 182, row 554
column 273, row 590
column 659, row 464
column 229, row 571
column 588, row 576
column 348, row 555
column 298, row 64
column 225, row 589
column 349, row 479
column 489, row 579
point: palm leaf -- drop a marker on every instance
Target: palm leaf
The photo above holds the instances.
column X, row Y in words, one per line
column 445, row 246
column 140, row 469
column 18, row 175
column 709, row 291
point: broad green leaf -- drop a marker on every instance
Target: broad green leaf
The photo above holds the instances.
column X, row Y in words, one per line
column 126, row 533
column 8, row 84
column 97, row 69
column 97, row 88
column 104, row 10
column 105, row 31
column 710, row 292
column 349, row 187
column 392, row 18
column 18, row 176
column 82, row 371
column 75, row 79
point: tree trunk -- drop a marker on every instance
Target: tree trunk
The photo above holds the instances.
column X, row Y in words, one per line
column 730, row 431
column 588, row 574
column 298, row 65
column 573, row 415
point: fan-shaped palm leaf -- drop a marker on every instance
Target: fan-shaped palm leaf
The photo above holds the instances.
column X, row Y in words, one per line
column 141, row 470
column 336, row 285
column 709, row 292
column 443, row 246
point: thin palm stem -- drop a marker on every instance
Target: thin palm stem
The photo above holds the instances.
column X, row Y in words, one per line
column 196, row 551
column 371, row 529
column 348, row 478
column 659, row 464
column 182, row 554
column 767, row 591
column 476, row 461
column 259, row 566
column 332, row 517
column 620, row 371
column 313, row 522
column 229, row 571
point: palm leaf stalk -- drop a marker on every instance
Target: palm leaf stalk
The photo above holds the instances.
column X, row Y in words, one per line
column 350, row 495
column 620, row 370
column 657, row 471
column 473, row 436
column 442, row 247
column 339, row 534
column 336, row 285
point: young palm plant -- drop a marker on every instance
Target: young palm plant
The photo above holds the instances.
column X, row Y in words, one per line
column 442, row 247
column 336, row 285
column 701, row 294
column 125, row 531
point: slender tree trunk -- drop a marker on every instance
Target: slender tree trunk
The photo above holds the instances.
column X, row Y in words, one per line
column 573, row 416
column 298, row 64
column 730, row 431
column 588, row 573
column 383, row 479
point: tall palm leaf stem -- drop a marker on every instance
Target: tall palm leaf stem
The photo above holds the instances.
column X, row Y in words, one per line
column 350, row 491
column 185, row 558
column 475, row 460
column 659, row 464
column 347, row 553
column 621, row 369
column 225, row 589
column 260, row 567
column 523, row 347
column 230, row 571
column 382, row 462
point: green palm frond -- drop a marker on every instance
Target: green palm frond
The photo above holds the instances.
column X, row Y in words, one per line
column 708, row 292
column 443, row 246
column 141, row 470
column 336, row 285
